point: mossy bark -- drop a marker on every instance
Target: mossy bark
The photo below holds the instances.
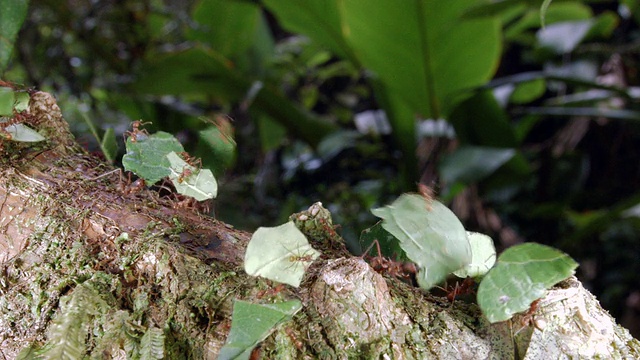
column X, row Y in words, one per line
column 91, row 270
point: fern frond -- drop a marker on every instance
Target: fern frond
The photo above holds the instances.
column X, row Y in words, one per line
column 152, row 344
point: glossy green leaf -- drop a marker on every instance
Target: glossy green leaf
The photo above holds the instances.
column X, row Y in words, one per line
column 469, row 164
column 147, row 156
column 252, row 323
column 389, row 245
column 483, row 256
column 522, row 275
column 317, row 19
column 191, row 181
column 422, row 50
column 280, row 253
column 7, row 99
column 23, row 133
column 217, row 19
column 481, row 121
column 430, row 235
column 12, row 15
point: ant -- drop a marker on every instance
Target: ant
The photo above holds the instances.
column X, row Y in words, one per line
column 136, row 131
column 186, row 172
column 298, row 344
column 397, row 269
column 270, row 292
column 192, row 162
column 464, row 288
column 427, row 193
column 527, row 318
column 306, row 259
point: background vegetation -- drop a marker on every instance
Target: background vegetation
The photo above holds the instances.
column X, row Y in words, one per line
column 531, row 133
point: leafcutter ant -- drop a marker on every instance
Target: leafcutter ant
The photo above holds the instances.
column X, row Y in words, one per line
column 299, row 345
column 527, row 319
column 136, row 131
column 299, row 258
column 464, row 288
column 270, row 292
column 427, row 194
column 397, row 269
column 187, row 171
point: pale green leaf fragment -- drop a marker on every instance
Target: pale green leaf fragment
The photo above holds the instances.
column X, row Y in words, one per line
column 522, row 275
column 483, row 256
column 200, row 184
column 23, row 133
column 146, row 157
column 280, row 253
column 430, row 235
column 252, row 323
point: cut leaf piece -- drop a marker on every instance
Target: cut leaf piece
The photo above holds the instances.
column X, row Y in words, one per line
column 430, row 234
column 21, row 132
column 191, row 181
column 280, row 253
column 389, row 245
column 147, row 156
column 522, row 275
column 483, row 256
column 252, row 323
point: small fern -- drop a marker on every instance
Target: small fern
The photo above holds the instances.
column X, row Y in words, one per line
column 152, row 344
column 120, row 335
column 68, row 333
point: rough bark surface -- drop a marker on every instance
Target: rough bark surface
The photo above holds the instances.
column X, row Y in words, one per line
column 90, row 269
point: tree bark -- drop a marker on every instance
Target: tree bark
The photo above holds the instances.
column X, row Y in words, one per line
column 91, row 269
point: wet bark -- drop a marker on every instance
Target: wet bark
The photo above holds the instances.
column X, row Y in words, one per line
column 91, row 269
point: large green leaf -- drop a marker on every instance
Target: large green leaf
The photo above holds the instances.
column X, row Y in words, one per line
column 12, row 14
column 218, row 19
column 421, row 49
column 522, row 275
column 317, row 19
column 430, row 235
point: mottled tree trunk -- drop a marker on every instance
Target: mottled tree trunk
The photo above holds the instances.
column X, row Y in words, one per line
column 90, row 269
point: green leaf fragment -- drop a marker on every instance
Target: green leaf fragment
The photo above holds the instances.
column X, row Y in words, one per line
column 280, row 253
column 147, row 156
column 252, row 323
column 23, row 133
column 430, row 235
column 199, row 184
column 483, row 256
column 389, row 245
column 522, row 275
